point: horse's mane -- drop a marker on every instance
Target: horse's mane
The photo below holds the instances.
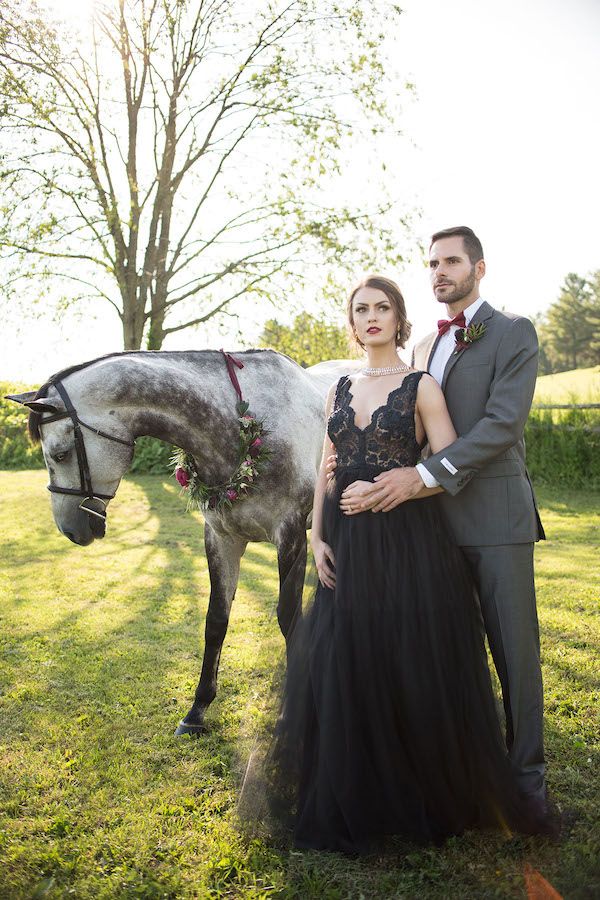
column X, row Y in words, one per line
column 33, row 423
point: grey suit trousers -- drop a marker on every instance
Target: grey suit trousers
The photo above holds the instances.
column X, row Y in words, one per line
column 505, row 583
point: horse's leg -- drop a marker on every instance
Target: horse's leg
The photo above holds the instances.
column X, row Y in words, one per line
column 291, row 556
column 223, row 554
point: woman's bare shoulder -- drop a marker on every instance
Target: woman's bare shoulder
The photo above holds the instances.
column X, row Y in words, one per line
column 429, row 391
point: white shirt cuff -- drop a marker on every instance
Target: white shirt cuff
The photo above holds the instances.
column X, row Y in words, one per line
column 426, row 476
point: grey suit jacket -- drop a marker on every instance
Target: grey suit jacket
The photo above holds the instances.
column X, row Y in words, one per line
column 488, row 498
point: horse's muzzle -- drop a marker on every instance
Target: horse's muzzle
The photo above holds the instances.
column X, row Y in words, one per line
column 96, row 511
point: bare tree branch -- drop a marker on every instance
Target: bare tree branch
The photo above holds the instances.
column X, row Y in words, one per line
column 184, row 147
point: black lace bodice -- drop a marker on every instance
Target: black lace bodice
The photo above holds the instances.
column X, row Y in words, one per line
column 389, row 440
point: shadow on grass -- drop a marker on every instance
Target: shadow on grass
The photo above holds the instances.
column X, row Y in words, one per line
column 99, row 722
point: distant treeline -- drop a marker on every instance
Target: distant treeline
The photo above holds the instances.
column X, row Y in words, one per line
column 569, row 331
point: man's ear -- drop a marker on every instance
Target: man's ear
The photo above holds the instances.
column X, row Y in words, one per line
column 480, row 269
column 28, row 399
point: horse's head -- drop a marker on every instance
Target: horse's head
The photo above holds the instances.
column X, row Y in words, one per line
column 86, row 450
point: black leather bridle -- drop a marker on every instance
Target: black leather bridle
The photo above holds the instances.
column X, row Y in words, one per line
column 86, row 489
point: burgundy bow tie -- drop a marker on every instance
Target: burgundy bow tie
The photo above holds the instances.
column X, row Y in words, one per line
column 444, row 324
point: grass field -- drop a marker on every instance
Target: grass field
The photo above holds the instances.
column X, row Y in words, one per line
column 100, row 655
column 576, row 386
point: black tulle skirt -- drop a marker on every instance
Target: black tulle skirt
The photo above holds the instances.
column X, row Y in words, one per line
column 389, row 724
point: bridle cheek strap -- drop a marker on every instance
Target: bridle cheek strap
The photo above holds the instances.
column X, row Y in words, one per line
column 86, row 489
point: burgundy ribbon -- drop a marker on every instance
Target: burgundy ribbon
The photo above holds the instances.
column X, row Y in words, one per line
column 231, row 361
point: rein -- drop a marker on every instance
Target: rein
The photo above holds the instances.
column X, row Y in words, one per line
column 86, row 489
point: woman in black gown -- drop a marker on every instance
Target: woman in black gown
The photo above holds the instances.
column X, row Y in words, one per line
column 389, row 724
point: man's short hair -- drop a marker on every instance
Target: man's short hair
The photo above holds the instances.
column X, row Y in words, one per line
column 471, row 242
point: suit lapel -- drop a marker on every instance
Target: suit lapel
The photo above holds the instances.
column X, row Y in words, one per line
column 484, row 312
column 435, row 339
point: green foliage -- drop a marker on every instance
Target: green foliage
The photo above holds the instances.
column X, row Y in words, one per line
column 309, row 340
column 100, row 659
column 16, row 450
column 564, row 452
column 563, row 445
column 152, row 457
column 569, row 332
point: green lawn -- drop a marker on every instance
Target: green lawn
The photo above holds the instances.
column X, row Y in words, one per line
column 100, row 655
column 576, row 386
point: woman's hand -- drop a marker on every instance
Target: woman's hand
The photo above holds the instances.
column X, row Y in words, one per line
column 331, row 466
column 325, row 562
column 359, row 496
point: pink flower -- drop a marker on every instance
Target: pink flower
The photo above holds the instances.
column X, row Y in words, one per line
column 231, row 494
column 255, row 447
column 182, row 476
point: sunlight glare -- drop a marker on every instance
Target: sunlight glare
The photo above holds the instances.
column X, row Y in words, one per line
column 75, row 9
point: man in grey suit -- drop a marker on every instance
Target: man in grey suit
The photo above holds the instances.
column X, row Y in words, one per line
column 486, row 363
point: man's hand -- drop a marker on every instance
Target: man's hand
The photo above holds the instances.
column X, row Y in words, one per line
column 389, row 490
column 399, row 485
column 325, row 563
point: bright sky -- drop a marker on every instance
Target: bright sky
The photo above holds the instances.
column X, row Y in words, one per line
column 507, row 140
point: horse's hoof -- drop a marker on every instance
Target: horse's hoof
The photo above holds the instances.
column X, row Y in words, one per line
column 193, row 730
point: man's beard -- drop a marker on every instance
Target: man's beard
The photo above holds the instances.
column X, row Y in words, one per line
column 461, row 290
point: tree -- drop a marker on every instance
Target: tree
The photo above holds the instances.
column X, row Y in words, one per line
column 175, row 155
column 308, row 341
column 593, row 316
column 568, row 328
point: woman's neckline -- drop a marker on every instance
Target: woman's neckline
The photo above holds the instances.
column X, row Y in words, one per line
column 372, row 420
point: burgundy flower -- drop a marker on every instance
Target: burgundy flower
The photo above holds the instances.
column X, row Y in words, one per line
column 231, row 494
column 212, row 502
column 182, row 476
column 255, row 447
column 464, row 337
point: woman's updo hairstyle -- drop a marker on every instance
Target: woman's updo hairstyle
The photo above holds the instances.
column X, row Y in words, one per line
column 394, row 295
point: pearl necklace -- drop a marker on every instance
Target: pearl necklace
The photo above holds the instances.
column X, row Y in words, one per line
column 388, row 370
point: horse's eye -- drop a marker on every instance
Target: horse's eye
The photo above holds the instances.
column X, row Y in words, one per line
column 60, row 457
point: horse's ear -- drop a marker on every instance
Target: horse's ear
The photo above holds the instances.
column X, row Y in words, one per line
column 28, row 399
column 21, row 398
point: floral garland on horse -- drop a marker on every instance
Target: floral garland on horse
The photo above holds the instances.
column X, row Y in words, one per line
column 253, row 454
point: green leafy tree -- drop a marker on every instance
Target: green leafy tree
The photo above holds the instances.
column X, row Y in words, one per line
column 309, row 340
column 173, row 156
column 567, row 330
column 593, row 316
column 546, row 360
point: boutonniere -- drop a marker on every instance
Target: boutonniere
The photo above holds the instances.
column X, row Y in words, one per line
column 464, row 337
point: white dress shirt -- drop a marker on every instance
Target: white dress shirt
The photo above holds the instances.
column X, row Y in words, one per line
column 443, row 352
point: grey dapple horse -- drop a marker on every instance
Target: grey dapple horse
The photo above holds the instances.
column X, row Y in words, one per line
column 89, row 416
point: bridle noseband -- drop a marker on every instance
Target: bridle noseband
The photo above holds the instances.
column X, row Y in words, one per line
column 86, row 489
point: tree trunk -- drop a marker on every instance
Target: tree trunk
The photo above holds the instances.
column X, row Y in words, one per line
column 133, row 324
column 155, row 334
